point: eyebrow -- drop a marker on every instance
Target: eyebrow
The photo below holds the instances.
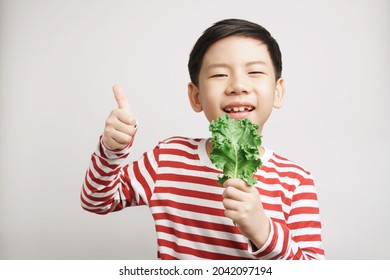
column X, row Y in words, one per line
column 256, row 62
column 217, row 65
column 225, row 65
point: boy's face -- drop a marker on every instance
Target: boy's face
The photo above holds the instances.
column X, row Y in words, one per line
column 237, row 77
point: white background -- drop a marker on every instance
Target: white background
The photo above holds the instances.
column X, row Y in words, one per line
column 59, row 59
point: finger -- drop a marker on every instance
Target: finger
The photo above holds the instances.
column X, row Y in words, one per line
column 116, row 132
column 121, row 138
column 234, row 194
column 120, row 118
column 231, row 204
column 124, row 128
column 238, row 184
column 232, row 215
column 113, row 144
column 121, row 98
column 125, row 116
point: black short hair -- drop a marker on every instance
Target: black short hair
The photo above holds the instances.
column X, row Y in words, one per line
column 232, row 27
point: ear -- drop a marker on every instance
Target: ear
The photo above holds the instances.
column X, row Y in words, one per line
column 193, row 95
column 279, row 93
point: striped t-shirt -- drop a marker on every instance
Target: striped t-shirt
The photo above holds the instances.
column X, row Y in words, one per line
column 178, row 182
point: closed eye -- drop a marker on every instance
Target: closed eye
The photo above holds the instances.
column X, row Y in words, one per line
column 256, row 73
column 218, row 76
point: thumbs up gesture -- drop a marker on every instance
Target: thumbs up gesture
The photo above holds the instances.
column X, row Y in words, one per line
column 120, row 124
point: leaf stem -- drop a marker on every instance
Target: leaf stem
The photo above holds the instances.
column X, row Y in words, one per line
column 236, row 161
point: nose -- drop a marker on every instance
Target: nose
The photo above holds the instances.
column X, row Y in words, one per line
column 237, row 85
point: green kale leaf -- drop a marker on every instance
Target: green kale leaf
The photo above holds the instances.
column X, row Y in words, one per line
column 235, row 148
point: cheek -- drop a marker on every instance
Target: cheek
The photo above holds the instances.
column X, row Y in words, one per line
column 265, row 84
column 209, row 95
column 266, row 92
column 209, row 103
column 210, row 88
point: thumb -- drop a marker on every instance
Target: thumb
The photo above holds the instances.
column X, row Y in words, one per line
column 121, row 98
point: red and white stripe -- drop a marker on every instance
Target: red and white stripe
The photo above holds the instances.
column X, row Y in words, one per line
column 177, row 181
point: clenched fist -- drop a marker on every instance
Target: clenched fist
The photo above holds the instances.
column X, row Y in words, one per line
column 120, row 124
column 243, row 205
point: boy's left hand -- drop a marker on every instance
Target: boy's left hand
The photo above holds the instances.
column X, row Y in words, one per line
column 243, row 205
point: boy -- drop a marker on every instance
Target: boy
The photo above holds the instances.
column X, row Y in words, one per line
column 235, row 68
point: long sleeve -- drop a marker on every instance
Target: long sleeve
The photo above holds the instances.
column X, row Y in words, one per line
column 109, row 185
column 304, row 223
column 299, row 236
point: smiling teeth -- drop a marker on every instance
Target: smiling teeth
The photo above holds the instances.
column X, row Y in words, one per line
column 238, row 109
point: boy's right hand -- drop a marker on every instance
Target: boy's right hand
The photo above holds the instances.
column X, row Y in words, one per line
column 120, row 124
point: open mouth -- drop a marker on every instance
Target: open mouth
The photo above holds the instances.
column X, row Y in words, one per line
column 238, row 109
